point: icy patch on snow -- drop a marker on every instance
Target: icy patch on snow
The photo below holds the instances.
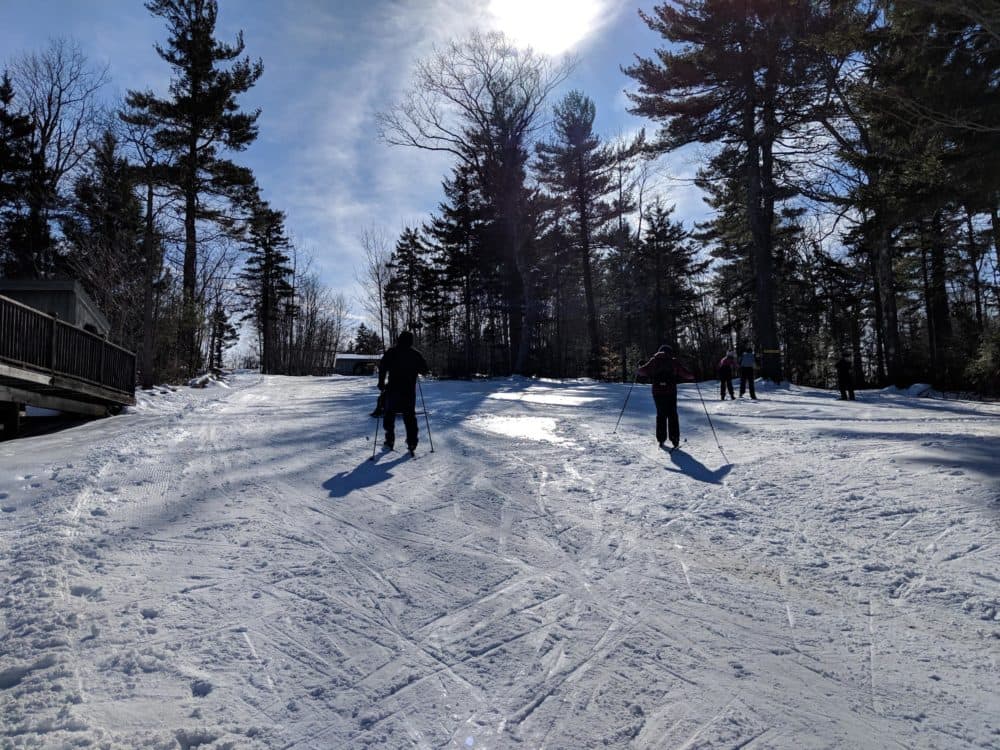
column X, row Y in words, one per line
column 554, row 399
column 541, row 429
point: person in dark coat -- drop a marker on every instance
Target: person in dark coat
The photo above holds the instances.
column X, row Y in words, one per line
column 727, row 369
column 845, row 378
column 747, row 364
column 397, row 379
column 663, row 371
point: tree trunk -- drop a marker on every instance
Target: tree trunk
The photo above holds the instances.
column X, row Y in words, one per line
column 974, row 256
column 887, row 301
column 939, row 299
column 186, row 334
column 148, row 319
column 760, row 215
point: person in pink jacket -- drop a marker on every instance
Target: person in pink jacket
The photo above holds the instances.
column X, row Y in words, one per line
column 727, row 369
column 664, row 372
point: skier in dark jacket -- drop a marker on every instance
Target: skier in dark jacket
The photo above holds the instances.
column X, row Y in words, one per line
column 727, row 369
column 747, row 364
column 397, row 378
column 663, row 371
column 845, row 378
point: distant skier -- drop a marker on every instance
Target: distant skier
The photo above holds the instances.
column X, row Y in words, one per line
column 727, row 369
column 663, row 371
column 747, row 364
column 397, row 379
column 845, row 378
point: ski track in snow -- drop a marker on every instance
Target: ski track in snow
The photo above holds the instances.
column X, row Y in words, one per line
column 226, row 569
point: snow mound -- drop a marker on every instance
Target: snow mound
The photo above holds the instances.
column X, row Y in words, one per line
column 208, row 380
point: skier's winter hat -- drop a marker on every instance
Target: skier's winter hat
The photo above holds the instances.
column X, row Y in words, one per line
column 666, row 349
column 405, row 340
column 730, row 354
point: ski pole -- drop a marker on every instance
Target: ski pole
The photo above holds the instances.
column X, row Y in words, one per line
column 423, row 405
column 714, row 434
column 627, row 395
column 375, row 444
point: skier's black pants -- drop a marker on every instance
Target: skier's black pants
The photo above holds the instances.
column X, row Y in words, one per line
column 666, row 417
column 846, row 388
column 723, row 385
column 406, row 405
column 746, row 380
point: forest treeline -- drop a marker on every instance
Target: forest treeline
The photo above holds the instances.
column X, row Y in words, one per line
column 142, row 203
column 848, row 153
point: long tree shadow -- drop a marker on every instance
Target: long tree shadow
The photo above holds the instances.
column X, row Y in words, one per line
column 366, row 474
column 690, row 466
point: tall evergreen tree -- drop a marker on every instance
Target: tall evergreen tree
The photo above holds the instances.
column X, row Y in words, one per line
column 457, row 231
column 744, row 74
column 408, row 268
column 199, row 121
column 15, row 162
column 669, row 263
column 265, row 280
column 577, row 169
column 103, row 230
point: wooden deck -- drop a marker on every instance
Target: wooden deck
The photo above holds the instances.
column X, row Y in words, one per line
column 49, row 363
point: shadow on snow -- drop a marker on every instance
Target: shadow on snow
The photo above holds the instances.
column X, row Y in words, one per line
column 690, row 466
column 365, row 474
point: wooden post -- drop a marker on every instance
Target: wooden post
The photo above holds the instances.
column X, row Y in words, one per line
column 104, row 347
column 52, row 343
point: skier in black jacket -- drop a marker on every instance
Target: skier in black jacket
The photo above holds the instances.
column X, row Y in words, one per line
column 845, row 378
column 664, row 371
column 397, row 379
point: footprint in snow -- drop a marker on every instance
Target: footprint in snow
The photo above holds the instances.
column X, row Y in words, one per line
column 201, row 688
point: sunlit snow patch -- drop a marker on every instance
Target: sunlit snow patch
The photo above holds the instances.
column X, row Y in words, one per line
column 557, row 399
column 542, row 429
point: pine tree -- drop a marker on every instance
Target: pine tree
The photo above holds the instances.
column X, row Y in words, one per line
column 103, row 231
column 457, row 232
column 577, row 168
column 408, row 267
column 197, row 123
column 15, row 163
column 265, row 280
column 744, row 74
column 669, row 264
column 223, row 335
column 367, row 341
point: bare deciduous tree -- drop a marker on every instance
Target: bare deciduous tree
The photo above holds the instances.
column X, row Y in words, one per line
column 374, row 274
column 482, row 99
column 59, row 89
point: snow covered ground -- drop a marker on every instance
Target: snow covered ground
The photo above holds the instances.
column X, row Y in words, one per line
column 224, row 568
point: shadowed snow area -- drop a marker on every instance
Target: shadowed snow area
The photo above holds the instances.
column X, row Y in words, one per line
column 226, row 568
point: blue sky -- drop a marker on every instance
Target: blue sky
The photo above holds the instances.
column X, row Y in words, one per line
column 329, row 67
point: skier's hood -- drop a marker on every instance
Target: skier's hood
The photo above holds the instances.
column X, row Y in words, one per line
column 405, row 340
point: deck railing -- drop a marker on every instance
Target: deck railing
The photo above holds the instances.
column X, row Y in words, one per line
column 36, row 341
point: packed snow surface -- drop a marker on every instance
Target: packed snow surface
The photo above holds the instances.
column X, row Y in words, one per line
column 225, row 568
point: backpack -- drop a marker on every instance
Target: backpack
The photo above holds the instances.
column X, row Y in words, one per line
column 665, row 374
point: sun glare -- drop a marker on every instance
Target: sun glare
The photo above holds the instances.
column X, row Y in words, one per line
column 547, row 26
